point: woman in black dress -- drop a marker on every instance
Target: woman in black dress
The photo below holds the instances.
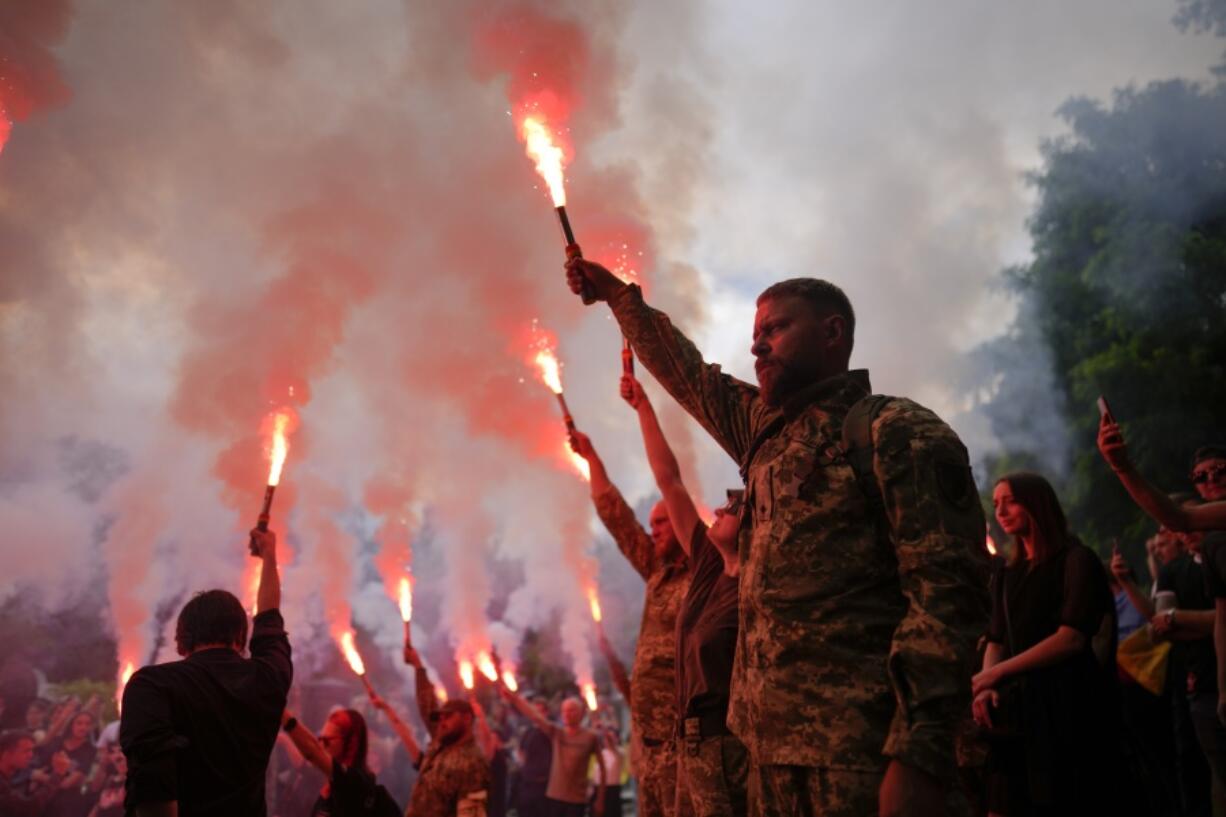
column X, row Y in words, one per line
column 1044, row 698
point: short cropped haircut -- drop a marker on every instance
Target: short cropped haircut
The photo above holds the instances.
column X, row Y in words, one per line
column 823, row 296
column 211, row 617
column 1216, row 451
column 10, row 738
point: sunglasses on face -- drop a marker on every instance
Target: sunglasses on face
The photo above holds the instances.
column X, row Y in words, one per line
column 1208, row 475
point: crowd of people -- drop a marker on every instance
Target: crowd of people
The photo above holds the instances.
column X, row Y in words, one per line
column 837, row 640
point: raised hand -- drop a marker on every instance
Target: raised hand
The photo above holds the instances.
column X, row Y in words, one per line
column 602, row 284
column 1111, row 445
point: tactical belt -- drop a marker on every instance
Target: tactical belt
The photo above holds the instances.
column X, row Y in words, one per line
column 704, row 725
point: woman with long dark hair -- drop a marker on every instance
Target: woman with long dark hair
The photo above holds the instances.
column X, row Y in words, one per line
column 339, row 751
column 1045, row 699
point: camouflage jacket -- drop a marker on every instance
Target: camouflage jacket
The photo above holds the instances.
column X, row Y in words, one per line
column 856, row 643
column 449, row 776
column 653, row 677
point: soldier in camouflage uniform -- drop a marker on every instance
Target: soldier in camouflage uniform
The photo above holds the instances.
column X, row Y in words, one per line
column 658, row 558
column 453, row 776
column 860, row 599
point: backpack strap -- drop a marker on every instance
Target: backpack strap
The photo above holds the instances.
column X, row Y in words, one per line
column 859, row 450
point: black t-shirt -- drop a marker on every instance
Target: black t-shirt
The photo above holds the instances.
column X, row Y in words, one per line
column 537, row 750
column 200, row 731
column 1186, row 577
column 706, row 631
column 1213, row 552
column 348, row 790
column 1067, row 589
column 82, row 756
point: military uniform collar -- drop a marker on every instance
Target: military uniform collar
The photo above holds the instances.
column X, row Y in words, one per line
column 847, row 388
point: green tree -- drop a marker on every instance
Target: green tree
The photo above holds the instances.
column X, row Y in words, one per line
column 1127, row 289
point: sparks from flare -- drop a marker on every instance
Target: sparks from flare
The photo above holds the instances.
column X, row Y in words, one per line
column 547, row 154
column 406, row 599
column 466, row 674
column 589, row 695
column 594, row 602
column 351, row 653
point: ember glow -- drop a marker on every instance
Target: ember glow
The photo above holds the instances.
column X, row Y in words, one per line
column 6, row 127
column 406, row 599
column 551, row 371
column 589, row 695
column 440, row 694
column 278, row 446
column 594, row 602
column 466, row 673
column 508, row 679
column 580, row 464
column 351, row 653
column 124, row 676
column 991, row 543
column 549, row 157
column 486, row 665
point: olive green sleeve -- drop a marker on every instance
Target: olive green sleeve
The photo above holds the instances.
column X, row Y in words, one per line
column 729, row 409
column 618, row 518
column 937, row 526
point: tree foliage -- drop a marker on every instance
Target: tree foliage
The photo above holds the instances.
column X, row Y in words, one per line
column 1127, row 288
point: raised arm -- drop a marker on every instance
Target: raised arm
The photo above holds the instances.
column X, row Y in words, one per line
column 402, row 730
column 727, row 408
column 307, row 744
column 526, row 709
column 269, row 595
column 937, row 524
column 616, row 513
column 1160, row 507
column 427, row 701
column 486, row 739
column 664, row 466
column 621, row 678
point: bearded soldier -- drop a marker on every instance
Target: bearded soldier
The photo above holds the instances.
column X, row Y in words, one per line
column 863, row 571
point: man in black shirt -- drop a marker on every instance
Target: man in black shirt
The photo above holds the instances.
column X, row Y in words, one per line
column 198, row 733
column 536, row 758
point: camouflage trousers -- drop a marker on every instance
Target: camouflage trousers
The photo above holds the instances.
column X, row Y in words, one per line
column 657, row 780
column 711, row 777
column 810, row 791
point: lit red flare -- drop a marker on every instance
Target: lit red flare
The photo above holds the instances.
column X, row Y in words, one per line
column 440, row 694
column 352, row 657
column 486, row 664
column 551, row 371
column 508, row 679
column 593, row 602
column 466, row 674
column 406, row 599
column 278, row 446
column 547, row 154
column 589, row 695
column 991, row 543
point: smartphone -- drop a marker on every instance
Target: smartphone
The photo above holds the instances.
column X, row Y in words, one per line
column 1104, row 410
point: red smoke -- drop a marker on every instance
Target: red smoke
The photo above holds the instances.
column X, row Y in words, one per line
column 30, row 79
